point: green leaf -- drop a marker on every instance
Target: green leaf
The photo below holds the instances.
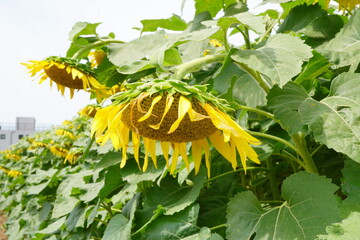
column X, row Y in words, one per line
column 212, row 6
column 299, row 17
column 172, row 57
column 310, row 206
column 204, row 234
column 252, row 21
column 316, row 66
column 133, row 175
column 173, row 197
column 279, row 60
column 346, row 230
column 74, row 216
column 285, row 104
column 176, row 226
column 335, row 120
column 82, row 28
column 325, row 27
column 113, row 180
column 117, row 228
column 174, row 23
column 351, row 188
column 109, row 159
column 53, row 227
column 344, row 49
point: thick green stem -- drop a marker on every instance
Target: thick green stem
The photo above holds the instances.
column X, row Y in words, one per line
column 302, row 150
column 255, row 110
column 275, row 138
column 95, row 44
column 196, row 64
column 237, row 170
column 87, row 149
column 272, row 179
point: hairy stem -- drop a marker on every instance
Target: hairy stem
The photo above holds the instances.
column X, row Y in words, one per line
column 272, row 179
column 95, row 44
column 302, row 150
column 195, row 64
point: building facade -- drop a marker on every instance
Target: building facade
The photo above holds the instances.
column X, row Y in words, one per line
column 24, row 127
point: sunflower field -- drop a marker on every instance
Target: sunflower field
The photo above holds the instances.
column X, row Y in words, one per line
column 235, row 125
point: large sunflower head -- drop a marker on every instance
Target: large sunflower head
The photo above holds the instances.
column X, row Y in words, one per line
column 174, row 114
column 66, row 73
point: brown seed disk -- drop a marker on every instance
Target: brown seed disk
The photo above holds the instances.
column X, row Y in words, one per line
column 186, row 132
column 61, row 76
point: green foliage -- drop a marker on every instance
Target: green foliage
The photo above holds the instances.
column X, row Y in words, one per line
column 291, row 79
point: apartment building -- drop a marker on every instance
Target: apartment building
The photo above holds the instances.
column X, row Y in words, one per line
column 11, row 135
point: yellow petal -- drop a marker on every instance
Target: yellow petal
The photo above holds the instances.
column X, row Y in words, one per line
column 195, row 116
column 205, row 145
column 184, row 107
column 125, row 142
column 183, row 153
column 169, row 102
column 136, row 146
column 196, row 154
column 222, row 147
column 146, row 159
column 152, row 149
column 148, row 114
column 174, row 157
column 165, row 146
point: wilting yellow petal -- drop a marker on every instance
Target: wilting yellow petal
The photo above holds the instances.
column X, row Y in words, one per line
column 196, row 154
column 146, row 159
column 195, row 116
column 148, row 114
column 222, row 147
column 174, row 157
column 136, row 146
column 169, row 102
column 125, row 142
column 205, row 145
column 165, row 146
column 182, row 150
column 184, row 107
column 152, row 149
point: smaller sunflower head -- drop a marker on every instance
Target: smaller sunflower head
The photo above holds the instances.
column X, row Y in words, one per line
column 73, row 155
column 12, row 156
column 59, row 151
column 90, row 110
column 66, row 133
column 66, row 73
column 14, row 173
column 96, row 57
column 174, row 114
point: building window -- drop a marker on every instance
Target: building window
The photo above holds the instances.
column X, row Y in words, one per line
column 21, row 136
column 2, row 136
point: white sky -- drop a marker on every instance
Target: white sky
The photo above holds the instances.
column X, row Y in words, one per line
column 36, row 29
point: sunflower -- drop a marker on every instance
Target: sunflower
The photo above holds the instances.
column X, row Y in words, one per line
column 66, row 73
column 65, row 132
column 12, row 156
column 174, row 114
column 89, row 111
column 14, row 173
column 73, row 155
column 348, row 4
column 59, row 151
column 96, row 57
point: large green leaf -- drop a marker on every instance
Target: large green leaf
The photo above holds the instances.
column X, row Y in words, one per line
column 119, row 226
column 204, row 234
column 176, row 226
column 346, row 230
column 212, row 6
column 174, row 23
column 335, row 120
column 310, row 205
column 113, row 181
column 351, row 188
column 279, row 60
column 173, row 197
column 285, row 104
column 299, row 17
column 344, row 49
column 83, row 28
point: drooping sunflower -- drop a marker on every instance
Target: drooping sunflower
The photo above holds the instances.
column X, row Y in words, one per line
column 73, row 155
column 89, row 111
column 174, row 114
column 66, row 73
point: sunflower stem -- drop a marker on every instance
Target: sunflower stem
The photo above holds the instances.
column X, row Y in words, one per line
column 256, row 75
column 87, row 149
column 272, row 179
column 300, row 143
column 194, row 65
column 218, row 226
column 237, row 170
column 95, row 44
column 258, row 111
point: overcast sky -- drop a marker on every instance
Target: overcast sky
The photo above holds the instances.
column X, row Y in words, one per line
column 36, row 29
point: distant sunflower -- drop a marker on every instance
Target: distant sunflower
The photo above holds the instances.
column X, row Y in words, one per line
column 174, row 114
column 66, row 73
column 59, row 151
column 73, row 155
column 96, row 57
column 348, row 4
column 90, row 110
